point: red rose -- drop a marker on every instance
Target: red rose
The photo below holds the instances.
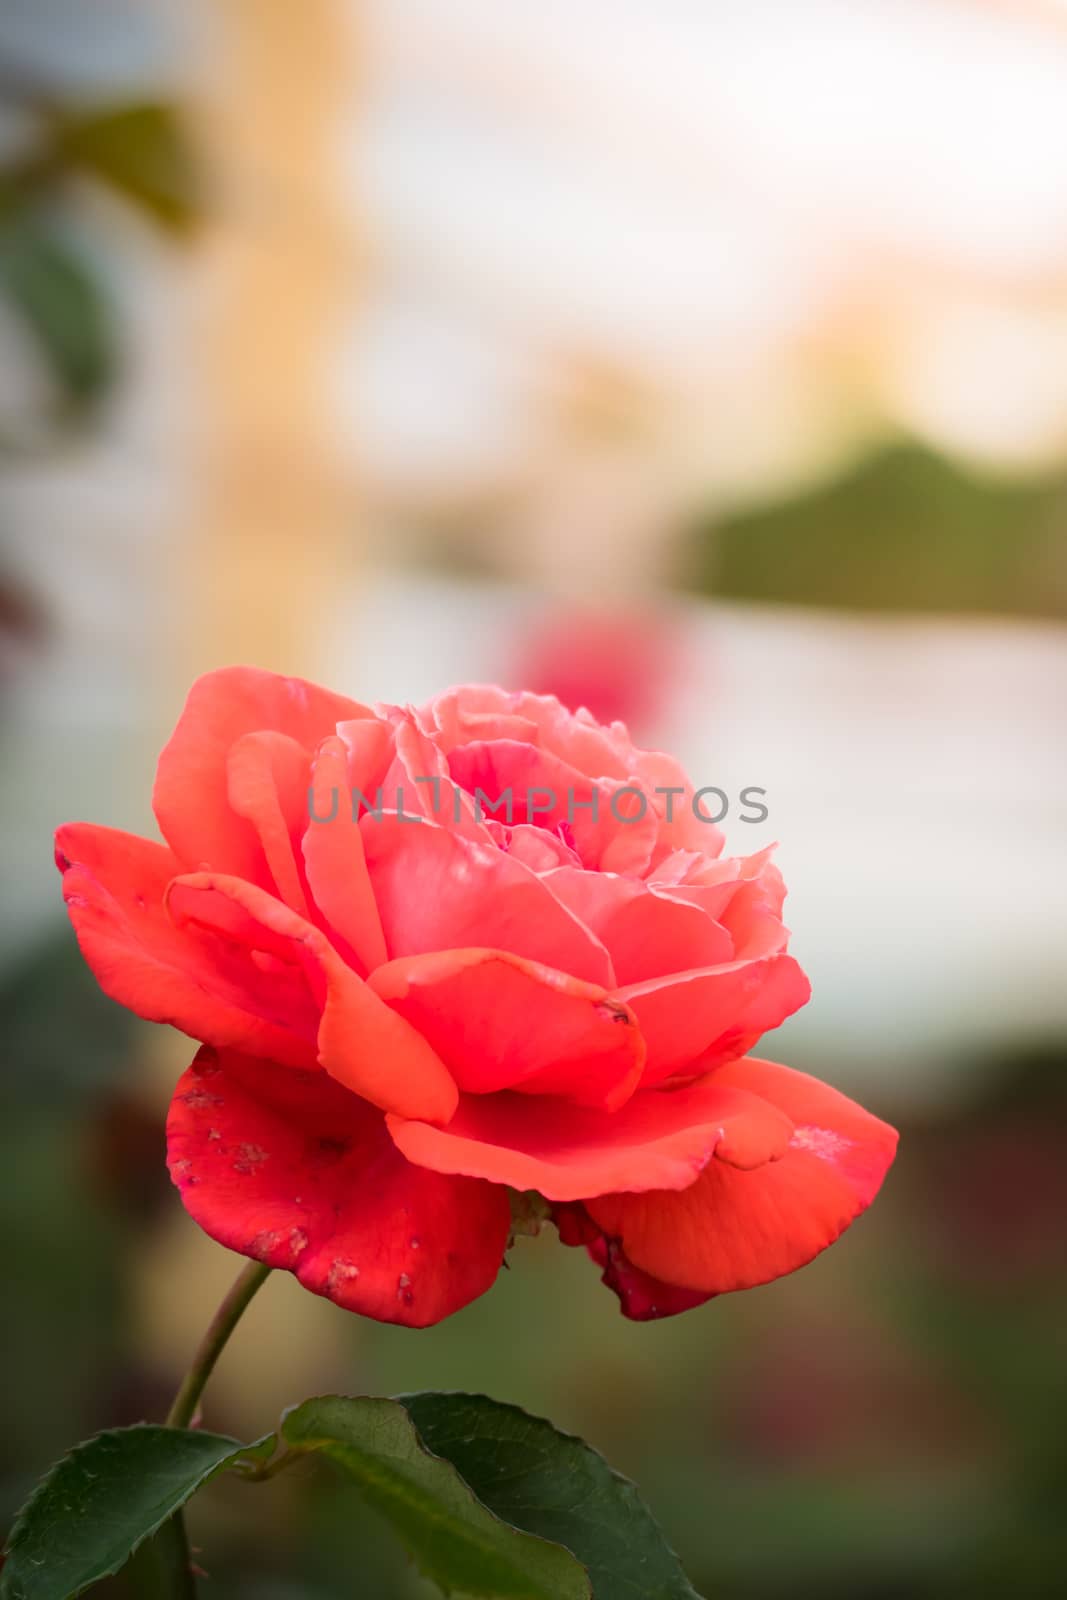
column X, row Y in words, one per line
column 411, row 1010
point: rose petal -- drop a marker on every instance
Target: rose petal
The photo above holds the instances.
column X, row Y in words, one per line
column 684, row 823
column 361, row 1041
column 753, row 915
column 371, row 745
column 549, row 792
column 438, row 891
column 267, row 784
column 744, row 894
column 693, row 1021
column 646, row 932
column 114, row 885
column 335, row 863
column 642, row 1298
column 656, row 1141
column 291, row 1169
column 191, row 797
column 734, row 1229
column 483, row 713
column 500, row 1022
column 680, row 867
column 536, row 849
column 419, row 779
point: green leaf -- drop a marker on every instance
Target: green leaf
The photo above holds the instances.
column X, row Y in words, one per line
column 63, row 306
column 99, row 1503
column 492, row 1504
column 140, row 152
column 554, row 1485
column 454, row 1540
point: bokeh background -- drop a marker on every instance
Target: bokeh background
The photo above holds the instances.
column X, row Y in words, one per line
column 707, row 364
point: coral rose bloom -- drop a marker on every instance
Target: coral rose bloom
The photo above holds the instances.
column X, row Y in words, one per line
column 415, row 1014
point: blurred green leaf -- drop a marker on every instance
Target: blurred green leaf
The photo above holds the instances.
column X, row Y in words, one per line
column 554, row 1485
column 454, row 1539
column 903, row 530
column 140, row 152
column 62, row 304
column 94, row 1508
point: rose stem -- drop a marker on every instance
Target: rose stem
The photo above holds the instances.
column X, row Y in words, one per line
column 253, row 1275
column 171, row 1547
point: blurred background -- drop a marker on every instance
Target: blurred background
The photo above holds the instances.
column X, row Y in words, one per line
column 703, row 363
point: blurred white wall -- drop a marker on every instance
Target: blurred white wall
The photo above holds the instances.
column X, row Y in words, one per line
column 772, row 228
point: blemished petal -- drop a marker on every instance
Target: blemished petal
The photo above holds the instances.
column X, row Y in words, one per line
column 646, row 932
column 191, row 795
column 498, row 1021
column 115, row 887
column 734, row 1229
column 656, row 1141
column 642, row 1298
column 693, row 1021
column 291, row 1169
column 361, row 1042
column 436, row 890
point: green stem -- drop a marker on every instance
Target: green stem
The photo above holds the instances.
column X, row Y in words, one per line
column 168, row 1571
column 170, row 1547
column 222, row 1324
